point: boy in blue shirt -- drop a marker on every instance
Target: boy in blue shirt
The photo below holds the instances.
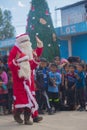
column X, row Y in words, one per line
column 70, row 82
column 54, row 81
column 80, row 85
column 42, row 85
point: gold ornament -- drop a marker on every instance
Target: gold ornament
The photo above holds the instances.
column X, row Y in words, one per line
column 54, row 37
column 43, row 21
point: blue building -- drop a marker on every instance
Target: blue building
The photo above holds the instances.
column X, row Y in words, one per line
column 6, row 45
column 73, row 32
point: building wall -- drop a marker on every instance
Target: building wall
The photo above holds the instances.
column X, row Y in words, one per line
column 79, row 46
column 63, row 48
column 74, row 25
column 73, row 15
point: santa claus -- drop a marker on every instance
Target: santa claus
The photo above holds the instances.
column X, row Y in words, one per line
column 22, row 61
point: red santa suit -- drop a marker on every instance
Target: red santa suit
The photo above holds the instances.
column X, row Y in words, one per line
column 23, row 87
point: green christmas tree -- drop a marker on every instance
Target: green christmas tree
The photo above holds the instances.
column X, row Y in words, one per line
column 39, row 23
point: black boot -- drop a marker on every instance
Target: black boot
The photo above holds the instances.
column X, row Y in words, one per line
column 37, row 119
column 27, row 117
column 50, row 111
column 17, row 116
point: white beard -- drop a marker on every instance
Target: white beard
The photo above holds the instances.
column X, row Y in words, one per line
column 24, row 70
column 26, row 49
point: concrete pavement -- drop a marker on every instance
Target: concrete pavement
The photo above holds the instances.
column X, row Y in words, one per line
column 60, row 121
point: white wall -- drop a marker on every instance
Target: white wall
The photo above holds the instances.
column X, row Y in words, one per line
column 73, row 15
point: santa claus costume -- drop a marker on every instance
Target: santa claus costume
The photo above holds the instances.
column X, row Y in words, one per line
column 22, row 61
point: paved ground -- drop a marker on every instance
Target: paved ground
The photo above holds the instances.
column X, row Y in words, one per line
column 59, row 121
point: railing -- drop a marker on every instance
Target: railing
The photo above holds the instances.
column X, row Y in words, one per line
column 7, row 43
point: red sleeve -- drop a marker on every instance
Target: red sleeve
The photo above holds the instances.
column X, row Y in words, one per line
column 11, row 59
column 39, row 51
column 33, row 64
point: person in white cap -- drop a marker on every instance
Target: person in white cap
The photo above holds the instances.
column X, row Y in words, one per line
column 22, row 61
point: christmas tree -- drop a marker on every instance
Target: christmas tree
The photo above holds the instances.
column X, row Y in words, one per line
column 39, row 23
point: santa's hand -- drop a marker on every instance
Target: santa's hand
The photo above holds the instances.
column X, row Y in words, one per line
column 39, row 42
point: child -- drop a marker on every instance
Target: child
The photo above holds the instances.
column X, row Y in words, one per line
column 70, row 86
column 10, row 92
column 3, row 91
column 64, row 76
column 54, row 81
column 42, row 85
column 61, row 63
column 80, row 85
column 57, row 61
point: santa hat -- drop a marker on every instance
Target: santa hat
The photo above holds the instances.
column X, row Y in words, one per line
column 63, row 60
column 22, row 57
column 22, row 38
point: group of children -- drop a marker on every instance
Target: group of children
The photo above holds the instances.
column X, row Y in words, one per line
column 6, row 90
column 60, row 85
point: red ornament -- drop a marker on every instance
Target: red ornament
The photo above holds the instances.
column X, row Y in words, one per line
column 43, row 21
column 47, row 12
column 54, row 37
column 32, row 27
column 32, row 8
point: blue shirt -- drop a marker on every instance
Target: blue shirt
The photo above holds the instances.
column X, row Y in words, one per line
column 71, row 79
column 56, row 76
column 42, row 77
column 81, row 81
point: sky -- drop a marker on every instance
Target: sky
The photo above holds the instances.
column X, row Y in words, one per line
column 20, row 9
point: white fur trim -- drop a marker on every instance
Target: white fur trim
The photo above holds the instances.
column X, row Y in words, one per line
column 21, row 38
column 32, row 103
column 23, row 58
column 22, row 105
column 33, row 92
column 14, row 97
